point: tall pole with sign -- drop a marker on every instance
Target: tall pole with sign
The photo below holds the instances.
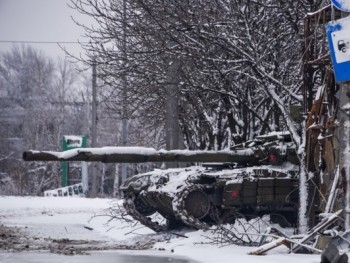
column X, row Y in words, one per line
column 338, row 35
column 72, row 142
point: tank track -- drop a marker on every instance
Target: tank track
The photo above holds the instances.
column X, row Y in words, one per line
column 180, row 210
column 146, row 221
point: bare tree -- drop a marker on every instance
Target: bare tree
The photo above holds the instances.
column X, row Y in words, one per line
column 239, row 63
column 40, row 103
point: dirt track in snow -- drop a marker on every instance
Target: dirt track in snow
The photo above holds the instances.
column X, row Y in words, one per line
column 16, row 239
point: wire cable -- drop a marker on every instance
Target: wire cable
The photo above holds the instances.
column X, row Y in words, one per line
column 41, row 42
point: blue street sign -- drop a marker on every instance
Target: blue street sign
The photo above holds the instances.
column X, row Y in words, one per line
column 343, row 5
column 338, row 35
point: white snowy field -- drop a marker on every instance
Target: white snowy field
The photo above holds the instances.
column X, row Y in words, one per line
column 73, row 219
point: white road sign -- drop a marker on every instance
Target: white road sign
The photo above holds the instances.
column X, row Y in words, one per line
column 338, row 34
column 343, row 5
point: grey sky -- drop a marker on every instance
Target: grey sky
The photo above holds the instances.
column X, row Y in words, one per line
column 40, row 20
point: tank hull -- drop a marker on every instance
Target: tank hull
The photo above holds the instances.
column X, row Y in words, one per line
column 200, row 197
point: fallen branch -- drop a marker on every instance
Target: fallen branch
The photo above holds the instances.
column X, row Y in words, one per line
column 264, row 248
column 317, row 229
column 289, row 242
column 278, row 242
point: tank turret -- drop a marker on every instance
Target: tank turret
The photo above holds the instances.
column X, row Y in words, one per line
column 251, row 179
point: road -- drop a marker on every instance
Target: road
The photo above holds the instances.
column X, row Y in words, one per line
column 92, row 257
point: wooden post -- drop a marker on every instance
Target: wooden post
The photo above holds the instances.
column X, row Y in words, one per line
column 344, row 145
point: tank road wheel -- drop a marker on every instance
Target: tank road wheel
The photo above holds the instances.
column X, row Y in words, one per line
column 143, row 208
column 191, row 204
column 197, row 204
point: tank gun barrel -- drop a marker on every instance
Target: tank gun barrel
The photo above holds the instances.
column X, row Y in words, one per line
column 141, row 154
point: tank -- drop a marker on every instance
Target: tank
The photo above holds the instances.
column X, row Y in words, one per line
column 250, row 180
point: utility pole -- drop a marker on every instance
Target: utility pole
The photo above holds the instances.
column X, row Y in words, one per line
column 94, row 106
column 172, row 107
column 344, row 161
column 94, row 128
column 123, row 166
column 338, row 32
column 344, row 134
column 173, row 136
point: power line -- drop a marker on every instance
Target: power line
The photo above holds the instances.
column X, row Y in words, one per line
column 41, row 42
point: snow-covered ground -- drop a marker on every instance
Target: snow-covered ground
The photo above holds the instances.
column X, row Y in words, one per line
column 68, row 225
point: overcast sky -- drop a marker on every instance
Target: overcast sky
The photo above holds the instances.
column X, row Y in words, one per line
column 40, row 21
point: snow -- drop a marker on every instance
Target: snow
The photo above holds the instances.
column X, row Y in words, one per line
column 316, row 12
column 73, row 140
column 68, row 217
column 319, row 93
column 110, row 150
column 346, row 107
column 107, row 150
column 303, row 200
